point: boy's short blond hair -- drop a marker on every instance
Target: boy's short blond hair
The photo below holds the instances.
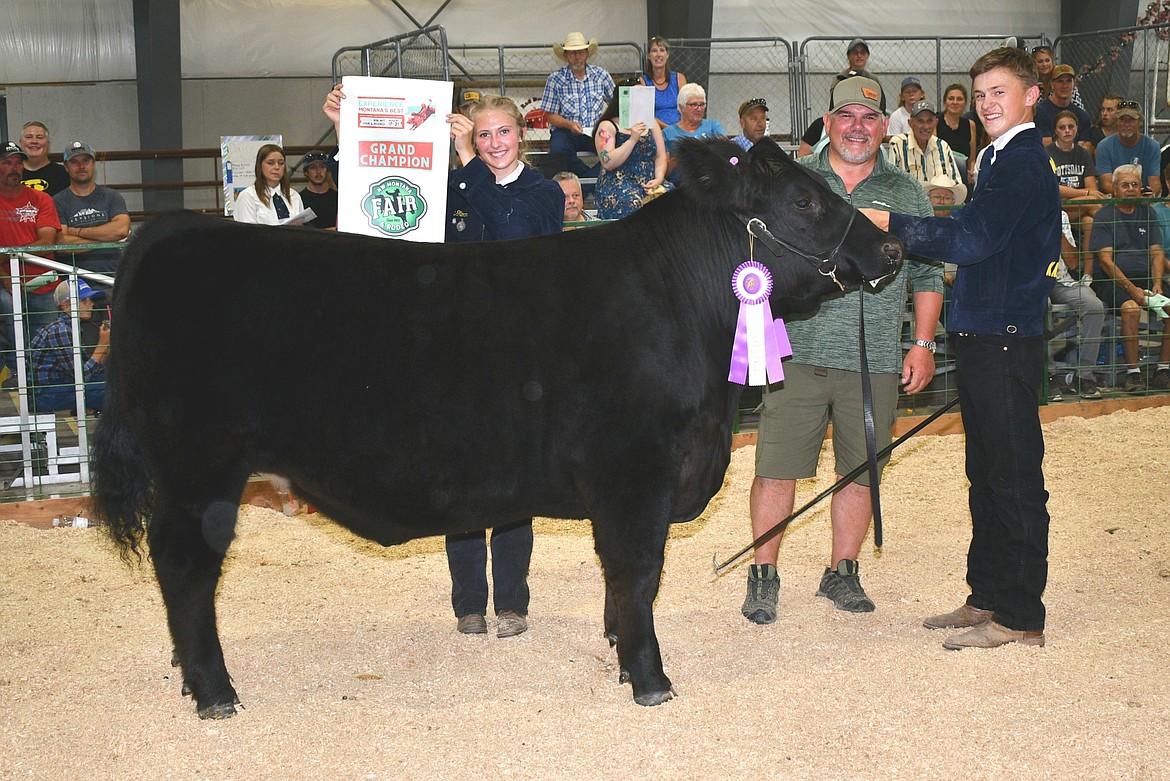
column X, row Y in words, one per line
column 1016, row 61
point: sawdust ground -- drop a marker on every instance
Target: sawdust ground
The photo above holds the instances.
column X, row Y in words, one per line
column 347, row 661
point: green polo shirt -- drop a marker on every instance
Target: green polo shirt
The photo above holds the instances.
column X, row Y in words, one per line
column 828, row 337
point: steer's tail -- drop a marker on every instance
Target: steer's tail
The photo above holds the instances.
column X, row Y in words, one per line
column 120, row 479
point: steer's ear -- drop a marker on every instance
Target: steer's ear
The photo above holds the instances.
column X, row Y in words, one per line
column 714, row 171
column 769, row 158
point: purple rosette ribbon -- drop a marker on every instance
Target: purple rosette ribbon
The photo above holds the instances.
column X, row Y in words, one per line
column 760, row 341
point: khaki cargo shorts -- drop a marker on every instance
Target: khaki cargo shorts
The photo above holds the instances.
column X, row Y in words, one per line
column 797, row 413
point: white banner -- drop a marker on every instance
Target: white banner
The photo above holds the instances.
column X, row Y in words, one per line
column 393, row 159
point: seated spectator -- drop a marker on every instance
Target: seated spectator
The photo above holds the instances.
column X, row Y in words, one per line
column 320, row 194
column 271, row 199
column 633, row 164
column 753, row 122
column 1046, row 67
column 574, row 97
column 958, row 130
column 911, row 94
column 921, row 153
column 1131, row 263
column 574, row 200
column 39, row 173
column 1078, row 180
column 665, row 82
column 1106, row 124
column 945, row 193
column 90, row 213
column 858, row 56
column 28, row 218
column 1061, row 100
column 1129, row 145
column 692, row 105
column 51, row 356
column 1073, row 289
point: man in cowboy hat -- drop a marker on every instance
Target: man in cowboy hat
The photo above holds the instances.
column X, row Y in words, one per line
column 574, row 97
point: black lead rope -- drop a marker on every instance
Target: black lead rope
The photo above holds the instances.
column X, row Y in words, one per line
column 826, row 265
column 844, row 481
column 870, row 435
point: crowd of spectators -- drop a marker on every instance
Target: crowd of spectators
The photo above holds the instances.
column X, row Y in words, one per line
column 939, row 144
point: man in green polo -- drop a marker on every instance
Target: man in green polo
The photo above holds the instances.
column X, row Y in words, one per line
column 822, row 381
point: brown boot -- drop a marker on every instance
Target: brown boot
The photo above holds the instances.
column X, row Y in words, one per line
column 992, row 635
column 959, row 619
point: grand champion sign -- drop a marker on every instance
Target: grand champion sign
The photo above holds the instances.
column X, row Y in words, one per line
column 393, row 157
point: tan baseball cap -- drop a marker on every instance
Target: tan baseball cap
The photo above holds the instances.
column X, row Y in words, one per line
column 856, row 91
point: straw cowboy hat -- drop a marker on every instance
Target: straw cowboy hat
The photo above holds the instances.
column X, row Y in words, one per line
column 574, row 42
column 942, row 181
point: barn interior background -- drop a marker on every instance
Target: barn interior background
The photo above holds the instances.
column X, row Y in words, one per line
column 154, row 84
column 379, row 684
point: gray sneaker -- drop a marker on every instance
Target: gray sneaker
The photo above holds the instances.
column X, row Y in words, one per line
column 1089, row 389
column 763, row 594
column 844, row 588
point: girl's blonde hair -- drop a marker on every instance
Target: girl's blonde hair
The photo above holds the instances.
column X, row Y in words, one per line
column 504, row 105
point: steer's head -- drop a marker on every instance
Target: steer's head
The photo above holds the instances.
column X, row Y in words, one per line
column 813, row 241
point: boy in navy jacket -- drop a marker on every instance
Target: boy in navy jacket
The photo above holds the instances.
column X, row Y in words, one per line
column 1006, row 242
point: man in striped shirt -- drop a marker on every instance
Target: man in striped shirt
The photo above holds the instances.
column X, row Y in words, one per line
column 920, row 152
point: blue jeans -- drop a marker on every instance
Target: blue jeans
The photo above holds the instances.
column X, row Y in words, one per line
column 467, row 560
column 569, row 144
column 63, row 397
column 1007, row 564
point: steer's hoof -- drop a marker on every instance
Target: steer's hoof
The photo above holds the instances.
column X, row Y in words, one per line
column 222, row 710
column 654, row 698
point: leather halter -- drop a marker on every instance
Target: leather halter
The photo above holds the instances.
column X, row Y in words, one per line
column 825, row 264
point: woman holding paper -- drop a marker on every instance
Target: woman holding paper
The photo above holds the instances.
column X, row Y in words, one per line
column 495, row 196
column 271, row 199
column 633, row 162
column 664, row 81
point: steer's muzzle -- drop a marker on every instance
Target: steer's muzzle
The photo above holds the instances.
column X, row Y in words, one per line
column 892, row 250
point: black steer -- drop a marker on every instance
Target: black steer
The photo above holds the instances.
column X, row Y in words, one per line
column 410, row 390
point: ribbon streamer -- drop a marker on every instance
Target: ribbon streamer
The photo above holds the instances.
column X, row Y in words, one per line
column 761, row 341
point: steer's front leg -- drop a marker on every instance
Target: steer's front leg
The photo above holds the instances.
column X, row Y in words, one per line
column 631, row 554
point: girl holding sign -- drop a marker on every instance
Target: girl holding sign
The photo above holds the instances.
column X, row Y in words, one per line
column 495, row 196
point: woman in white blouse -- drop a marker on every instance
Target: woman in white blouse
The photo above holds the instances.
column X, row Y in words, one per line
column 271, row 200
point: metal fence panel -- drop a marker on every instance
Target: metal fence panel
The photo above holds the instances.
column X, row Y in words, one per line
column 733, row 70
column 1130, row 62
column 419, row 54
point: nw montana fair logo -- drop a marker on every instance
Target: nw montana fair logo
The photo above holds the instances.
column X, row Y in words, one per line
column 394, row 206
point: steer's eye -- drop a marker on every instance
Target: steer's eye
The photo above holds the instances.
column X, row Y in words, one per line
column 803, row 203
